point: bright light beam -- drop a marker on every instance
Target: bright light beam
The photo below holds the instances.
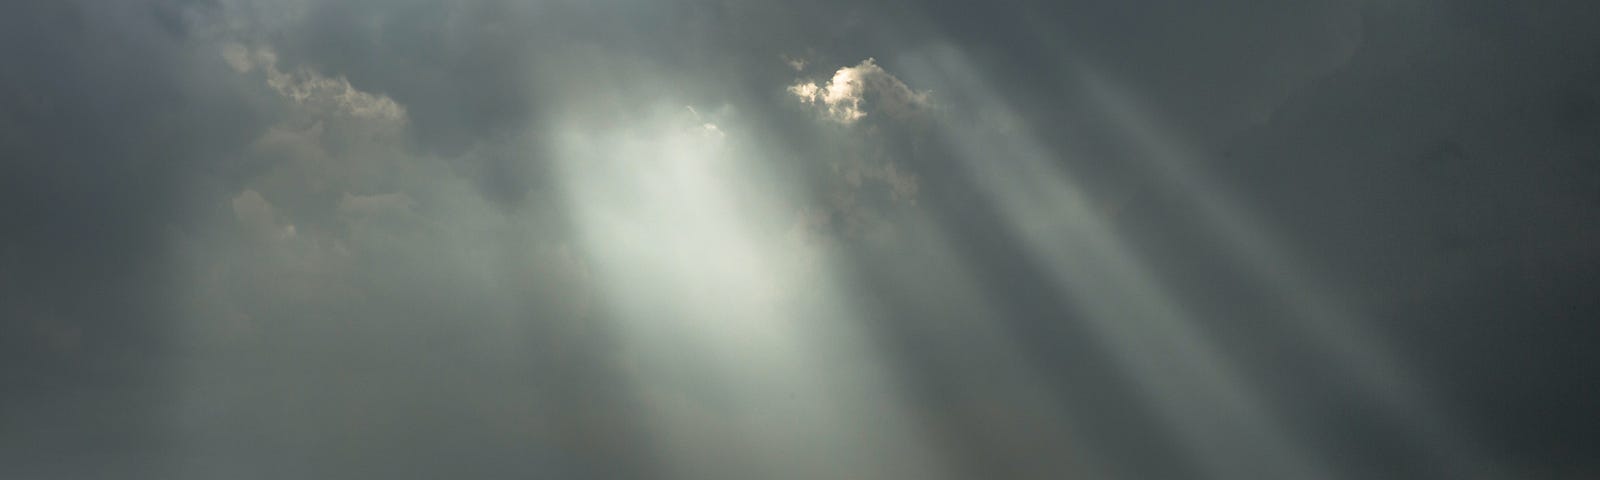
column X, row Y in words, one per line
column 1000, row 390
column 737, row 383
column 1230, row 433
column 1361, row 353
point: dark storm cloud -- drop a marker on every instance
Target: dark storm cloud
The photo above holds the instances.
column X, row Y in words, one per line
column 352, row 239
column 109, row 112
column 1431, row 157
column 1375, row 110
column 1445, row 161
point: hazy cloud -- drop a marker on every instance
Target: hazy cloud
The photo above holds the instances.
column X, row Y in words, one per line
column 390, row 239
column 312, row 89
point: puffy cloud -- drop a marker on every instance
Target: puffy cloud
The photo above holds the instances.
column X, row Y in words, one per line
column 856, row 90
column 871, row 174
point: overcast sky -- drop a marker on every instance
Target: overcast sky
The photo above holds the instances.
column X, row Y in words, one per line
column 741, row 239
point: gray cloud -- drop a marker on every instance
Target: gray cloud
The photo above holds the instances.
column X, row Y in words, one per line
column 418, row 239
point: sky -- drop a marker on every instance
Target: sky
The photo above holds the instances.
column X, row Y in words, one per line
column 735, row 239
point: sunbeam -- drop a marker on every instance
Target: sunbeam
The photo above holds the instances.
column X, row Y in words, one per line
column 1360, row 353
column 1185, row 378
column 765, row 239
column 745, row 365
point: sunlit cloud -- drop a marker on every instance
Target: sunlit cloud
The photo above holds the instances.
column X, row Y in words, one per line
column 855, row 90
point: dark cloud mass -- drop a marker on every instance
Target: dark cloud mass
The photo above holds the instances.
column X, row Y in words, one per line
column 757, row 239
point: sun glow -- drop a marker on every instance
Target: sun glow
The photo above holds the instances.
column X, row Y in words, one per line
column 722, row 312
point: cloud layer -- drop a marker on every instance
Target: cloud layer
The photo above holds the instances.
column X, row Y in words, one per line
column 379, row 239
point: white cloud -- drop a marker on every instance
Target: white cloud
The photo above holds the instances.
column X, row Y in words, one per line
column 854, row 90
